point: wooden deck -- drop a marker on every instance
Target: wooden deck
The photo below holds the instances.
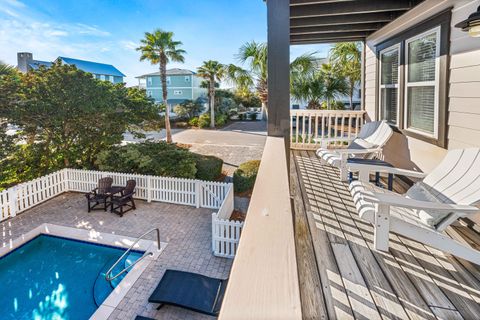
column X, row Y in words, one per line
column 341, row 276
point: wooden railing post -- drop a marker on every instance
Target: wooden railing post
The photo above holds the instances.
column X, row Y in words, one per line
column 198, row 193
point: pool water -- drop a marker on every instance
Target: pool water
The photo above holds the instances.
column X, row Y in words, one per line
column 56, row 278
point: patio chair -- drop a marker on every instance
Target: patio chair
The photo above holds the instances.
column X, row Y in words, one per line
column 125, row 200
column 188, row 290
column 99, row 195
column 450, row 191
column 367, row 145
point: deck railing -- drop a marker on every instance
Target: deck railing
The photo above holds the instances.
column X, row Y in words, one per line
column 263, row 282
column 309, row 127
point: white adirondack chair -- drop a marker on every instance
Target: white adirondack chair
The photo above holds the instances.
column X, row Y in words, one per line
column 450, row 191
column 368, row 144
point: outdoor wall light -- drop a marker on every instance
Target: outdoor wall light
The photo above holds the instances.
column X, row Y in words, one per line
column 471, row 25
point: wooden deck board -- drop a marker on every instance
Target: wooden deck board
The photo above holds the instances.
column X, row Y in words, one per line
column 411, row 281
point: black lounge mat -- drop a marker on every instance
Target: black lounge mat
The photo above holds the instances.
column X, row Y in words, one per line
column 191, row 291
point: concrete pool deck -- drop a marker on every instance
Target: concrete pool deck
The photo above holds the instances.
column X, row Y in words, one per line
column 187, row 231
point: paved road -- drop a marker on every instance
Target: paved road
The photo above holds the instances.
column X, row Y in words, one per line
column 236, row 143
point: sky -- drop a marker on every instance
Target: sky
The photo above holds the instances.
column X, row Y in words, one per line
column 108, row 31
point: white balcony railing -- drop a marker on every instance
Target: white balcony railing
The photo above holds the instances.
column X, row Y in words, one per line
column 309, row 127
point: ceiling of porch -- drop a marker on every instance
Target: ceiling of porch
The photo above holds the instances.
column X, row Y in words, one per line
column 326, row 21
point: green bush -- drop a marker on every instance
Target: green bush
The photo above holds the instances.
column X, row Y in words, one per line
column 208, row 167
column 152, row 158
column 220, row 120
column 193, row 122
column 204, row 121
column 244, row 177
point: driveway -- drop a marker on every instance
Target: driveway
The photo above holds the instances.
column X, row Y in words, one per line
column 235, row 144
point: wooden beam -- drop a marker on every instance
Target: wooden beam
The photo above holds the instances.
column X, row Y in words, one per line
column 337, row 28
column 347, row 8
column 325, row 40
column 332, row 35
column 278, row 12
column 376, row 17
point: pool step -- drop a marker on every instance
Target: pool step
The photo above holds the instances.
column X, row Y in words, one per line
column 102, row 288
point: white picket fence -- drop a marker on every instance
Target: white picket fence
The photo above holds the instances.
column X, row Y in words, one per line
column 197, row 193
column 309, row 127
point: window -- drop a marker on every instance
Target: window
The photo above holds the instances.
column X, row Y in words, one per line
column 177, row 92
column 149, row 93
column 149, row 81
column 110, row 78
column 168, row 80
column 187, row 78
column 389, row 78
column 102, row 77
column 421, row 82
column 413, row 80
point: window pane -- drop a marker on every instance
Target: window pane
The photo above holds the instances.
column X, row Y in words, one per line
column 421, row 58
column 389, row 67
column 389, row 104
column 421, row 108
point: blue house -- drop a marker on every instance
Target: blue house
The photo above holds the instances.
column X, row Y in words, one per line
column 101, row 71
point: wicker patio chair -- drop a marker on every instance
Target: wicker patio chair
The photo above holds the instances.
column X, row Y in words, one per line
column 124, row 200
column 100, row 195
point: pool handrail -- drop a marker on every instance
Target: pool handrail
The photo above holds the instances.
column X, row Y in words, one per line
column 107, row 275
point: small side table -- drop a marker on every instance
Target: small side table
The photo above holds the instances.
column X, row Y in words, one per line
column 352, row 162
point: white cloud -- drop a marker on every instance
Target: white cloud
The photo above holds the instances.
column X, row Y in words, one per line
column 129, row 45
column 90, row 30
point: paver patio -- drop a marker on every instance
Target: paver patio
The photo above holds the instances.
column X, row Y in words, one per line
column 187, row 231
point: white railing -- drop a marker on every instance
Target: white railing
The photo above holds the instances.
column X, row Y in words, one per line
column 225, row 233
column 197, row 193
column 309, row 127
column 225, row 236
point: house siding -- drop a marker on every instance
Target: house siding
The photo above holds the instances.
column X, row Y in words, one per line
column 189, row 87
column 463, row 104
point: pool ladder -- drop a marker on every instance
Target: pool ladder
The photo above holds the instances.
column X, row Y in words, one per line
column 108, row 275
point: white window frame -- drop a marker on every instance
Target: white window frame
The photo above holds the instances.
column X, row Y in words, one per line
column 149, row 93
column 187, row 79
column 168, row 81
column 395, row 47
column 111, row 79
column 435, row 83
column 102, row 77
column 177, row 92
column 149, row 81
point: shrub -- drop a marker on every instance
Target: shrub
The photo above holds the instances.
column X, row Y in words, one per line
column 204, row 121
column 153, row 158
column 193, row 122
column 208, row 167
column 221, row 119
column 244, row 177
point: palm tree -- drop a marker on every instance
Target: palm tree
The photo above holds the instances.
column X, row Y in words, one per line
column 212, row 71
column 255, row 55
column 160, row 48
column 334, row 84
column 6, row 69
column 346, row 57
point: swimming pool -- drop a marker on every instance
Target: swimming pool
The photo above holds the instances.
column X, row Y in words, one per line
column 52, row 277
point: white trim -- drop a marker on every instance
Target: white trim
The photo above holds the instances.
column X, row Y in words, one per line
column 436, row 84
column 95, row 237
column 395, row 47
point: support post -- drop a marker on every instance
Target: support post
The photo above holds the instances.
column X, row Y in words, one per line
column 12, row 200
column 362, row 72
column 149, row 189
column 278, row 119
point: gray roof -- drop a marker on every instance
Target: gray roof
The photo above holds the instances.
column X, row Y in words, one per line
column 170, row 72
